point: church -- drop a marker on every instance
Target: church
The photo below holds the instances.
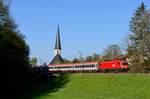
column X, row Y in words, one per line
column 58, row 58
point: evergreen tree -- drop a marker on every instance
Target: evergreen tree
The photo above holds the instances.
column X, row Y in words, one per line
column 136, row 27
column 138, row 49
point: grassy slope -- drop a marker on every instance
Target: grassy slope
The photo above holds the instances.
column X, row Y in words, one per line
column 103, row 86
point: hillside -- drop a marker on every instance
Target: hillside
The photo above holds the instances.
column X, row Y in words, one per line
column 103, row 86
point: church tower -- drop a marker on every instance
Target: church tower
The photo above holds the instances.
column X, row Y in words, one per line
column 57, row 43
column 57, row 59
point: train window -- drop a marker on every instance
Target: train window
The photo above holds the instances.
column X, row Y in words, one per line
column 50, row 67
column 77, row 66
column 125, row 63
column 86, row 66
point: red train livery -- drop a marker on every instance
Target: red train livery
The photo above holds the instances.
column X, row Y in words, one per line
column 115, row 65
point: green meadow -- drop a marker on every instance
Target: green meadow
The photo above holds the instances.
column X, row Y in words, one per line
column 96, row 86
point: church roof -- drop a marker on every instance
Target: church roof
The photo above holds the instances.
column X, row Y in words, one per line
column 58, row 44
column 57, row 59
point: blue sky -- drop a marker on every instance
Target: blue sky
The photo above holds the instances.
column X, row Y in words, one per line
column 88, row 26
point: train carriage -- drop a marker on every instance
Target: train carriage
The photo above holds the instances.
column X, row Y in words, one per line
column 75, row 67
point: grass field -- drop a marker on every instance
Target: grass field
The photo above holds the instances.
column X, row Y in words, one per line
column 101, row 86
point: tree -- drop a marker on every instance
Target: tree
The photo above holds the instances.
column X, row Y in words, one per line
column 140, row 28
column 139, row 46
column 93, row 57
column 96, row 57
column 111, row 52
column 75, row 60
column 14, row 52
column 89, row 58
column 34, row 61
column 147, row 34
column 137, row 29
column 67, row 61
column 81, row 58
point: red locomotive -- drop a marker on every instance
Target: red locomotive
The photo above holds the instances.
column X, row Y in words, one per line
column 115, row 65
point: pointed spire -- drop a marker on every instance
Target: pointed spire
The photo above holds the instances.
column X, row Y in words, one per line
column 57, row 59
column 58, row 44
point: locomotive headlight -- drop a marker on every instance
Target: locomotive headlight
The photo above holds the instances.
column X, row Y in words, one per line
column 113, row 65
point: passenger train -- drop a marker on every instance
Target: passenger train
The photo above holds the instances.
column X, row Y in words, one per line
column 108, row 66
